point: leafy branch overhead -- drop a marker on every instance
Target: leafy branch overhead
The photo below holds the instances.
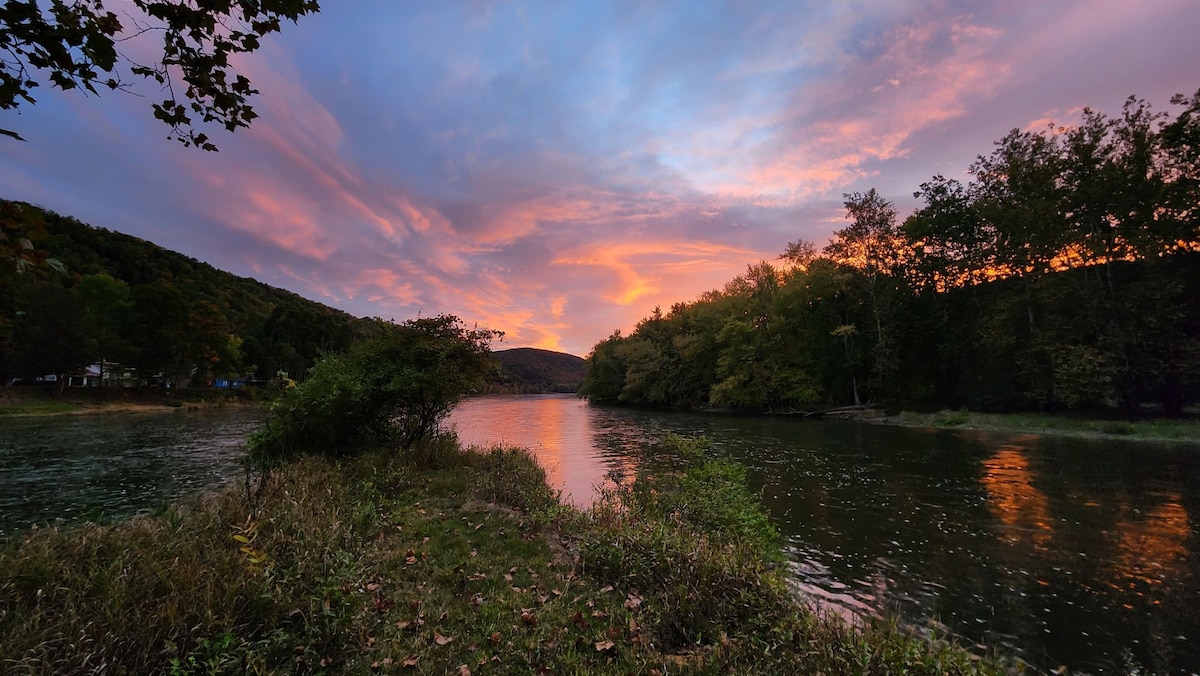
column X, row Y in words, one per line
column 75, row 44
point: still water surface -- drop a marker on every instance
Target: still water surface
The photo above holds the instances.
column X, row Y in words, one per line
column 1061, row 551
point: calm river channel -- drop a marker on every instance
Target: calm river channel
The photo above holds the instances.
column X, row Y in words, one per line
column 1062, row 551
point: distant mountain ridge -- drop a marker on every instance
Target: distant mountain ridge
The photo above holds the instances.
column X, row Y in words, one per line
column 529, row 370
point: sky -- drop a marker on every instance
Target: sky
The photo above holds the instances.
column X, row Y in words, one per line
column 557, row 170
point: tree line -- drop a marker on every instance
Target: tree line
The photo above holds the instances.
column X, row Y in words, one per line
column 1064, row 273
column 79, row 295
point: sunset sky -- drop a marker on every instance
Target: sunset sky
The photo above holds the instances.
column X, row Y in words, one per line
column 556, row 170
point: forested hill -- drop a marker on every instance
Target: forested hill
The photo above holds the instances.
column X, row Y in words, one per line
column 527, row 369
column 73, row 294
column 1065, row 274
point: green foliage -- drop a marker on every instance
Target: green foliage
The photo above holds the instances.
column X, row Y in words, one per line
column 75, row 45
column 1065, row 274
column 126, row 300
column 697, row 539
column 395, row 386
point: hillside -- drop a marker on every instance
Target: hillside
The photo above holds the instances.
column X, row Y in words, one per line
column 527, row 369
column 72, row 294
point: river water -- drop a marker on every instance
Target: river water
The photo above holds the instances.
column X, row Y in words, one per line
column 60, row 469
column 1083, row 553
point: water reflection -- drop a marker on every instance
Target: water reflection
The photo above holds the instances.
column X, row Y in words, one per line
column 576, row 443
column 1061, row 551
column 1015, row 501
column 1151, row 546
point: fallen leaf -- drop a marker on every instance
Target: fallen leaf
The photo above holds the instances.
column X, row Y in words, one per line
column 606, row 588
column 441, row 640
column 410, row 662
column 604, row 645
column 463, row 670
column 599, row 613
column 508, row 577
column 495, row 637
column 633, row 602
column 529, row 618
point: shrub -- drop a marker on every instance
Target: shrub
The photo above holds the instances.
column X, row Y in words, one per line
column 393, row 387
column 698, row 540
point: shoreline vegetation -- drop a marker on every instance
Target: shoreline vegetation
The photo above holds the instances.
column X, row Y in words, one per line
column 1184, row 430
column 36, row 402
column 439, row 559
column 1153, row 430
column 1062, row 274
column 367, row 541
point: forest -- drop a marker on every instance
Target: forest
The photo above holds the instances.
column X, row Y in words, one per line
column 1063, row 274
column 72, row 295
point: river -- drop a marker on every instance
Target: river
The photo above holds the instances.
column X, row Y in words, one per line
column 60, row 469
column 1084, row 553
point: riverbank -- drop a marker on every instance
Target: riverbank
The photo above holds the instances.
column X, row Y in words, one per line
column 443, row 561
column 37, row 401
column 1153, row 430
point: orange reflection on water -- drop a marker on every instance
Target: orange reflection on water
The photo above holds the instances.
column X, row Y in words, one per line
column 1015, row 501
column 554, row 428
column 1152, row 546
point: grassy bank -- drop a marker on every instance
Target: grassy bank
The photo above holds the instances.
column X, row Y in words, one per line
column 1164, row 429
column 443, row 561
column 38, row 401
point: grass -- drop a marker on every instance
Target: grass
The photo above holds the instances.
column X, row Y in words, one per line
column 38, row 408
column 1187, row 430
column 441, row 561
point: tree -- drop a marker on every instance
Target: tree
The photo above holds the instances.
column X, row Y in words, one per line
column 161, row 324
column 605, row 376
column 872, row 245
column 74, row 43
column 108, row 309
column 395, row 386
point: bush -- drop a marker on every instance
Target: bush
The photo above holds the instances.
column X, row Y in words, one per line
column 697, row 540
column 393, row 387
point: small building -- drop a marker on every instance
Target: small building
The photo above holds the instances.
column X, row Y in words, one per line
column 111, row 375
